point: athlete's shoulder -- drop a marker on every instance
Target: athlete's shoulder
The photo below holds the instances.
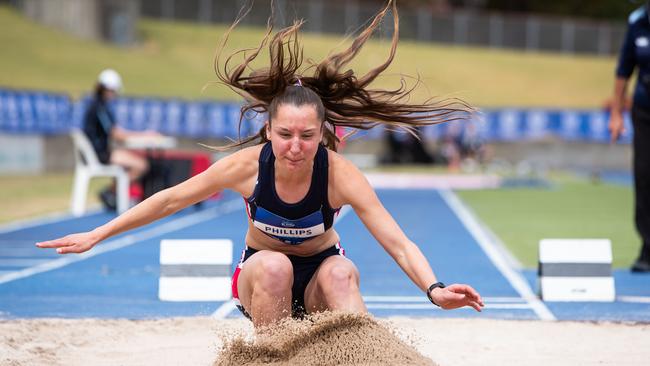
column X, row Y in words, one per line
column 637, row 15
column 242, row 161
column 251, row 152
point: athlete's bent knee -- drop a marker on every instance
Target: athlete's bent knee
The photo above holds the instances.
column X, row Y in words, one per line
column 341, row 278
column 275, row 272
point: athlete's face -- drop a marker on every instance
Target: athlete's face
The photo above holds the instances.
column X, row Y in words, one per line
column 295, row 133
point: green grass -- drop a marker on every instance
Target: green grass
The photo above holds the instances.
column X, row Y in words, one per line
column 175, row 60
column 573, row 208
column 25, row 197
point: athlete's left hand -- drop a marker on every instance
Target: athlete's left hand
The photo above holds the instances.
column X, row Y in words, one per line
column 456, row 296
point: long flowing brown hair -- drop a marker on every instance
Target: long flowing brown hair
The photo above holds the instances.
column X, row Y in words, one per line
column 347, row 98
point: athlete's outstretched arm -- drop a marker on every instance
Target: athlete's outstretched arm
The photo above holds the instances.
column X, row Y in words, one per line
column 353, row 188
column 223, row 174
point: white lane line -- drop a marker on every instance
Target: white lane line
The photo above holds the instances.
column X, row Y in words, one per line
column 26, row 251
column 171, row 226
column 21, row 262
column 423, row 299
column 516, row 279
column 224, row 310
column 43, row 220
column 14, row 243
column 634, row 299
column 429, row 306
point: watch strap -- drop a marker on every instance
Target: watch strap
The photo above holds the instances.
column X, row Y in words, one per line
column 431, row 288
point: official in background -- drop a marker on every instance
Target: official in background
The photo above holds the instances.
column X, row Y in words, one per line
column 635, row 54
column 102, row 130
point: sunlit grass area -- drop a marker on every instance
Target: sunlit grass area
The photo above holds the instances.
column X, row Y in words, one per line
column 572, row 207
column 24, row 197
column 176, row 60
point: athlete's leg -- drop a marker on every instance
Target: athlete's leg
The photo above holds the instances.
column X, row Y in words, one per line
column 335, row 286
column 264, row 287
column 135, row 164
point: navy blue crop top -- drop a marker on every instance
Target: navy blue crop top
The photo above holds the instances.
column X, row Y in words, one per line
column 292, row 223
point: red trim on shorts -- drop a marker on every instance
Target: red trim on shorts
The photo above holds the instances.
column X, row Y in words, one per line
column 340, row 248
column 235, row 277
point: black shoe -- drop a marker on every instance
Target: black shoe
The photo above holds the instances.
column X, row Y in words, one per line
column 109, row 200
column 641, row 266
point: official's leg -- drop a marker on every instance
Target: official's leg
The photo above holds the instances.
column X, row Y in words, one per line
column 264, row 287
column 135, row 164
column 335, row 286
column 641, row 121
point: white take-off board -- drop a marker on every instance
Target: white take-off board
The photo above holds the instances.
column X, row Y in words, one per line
column 576, row 270
column 195, row 270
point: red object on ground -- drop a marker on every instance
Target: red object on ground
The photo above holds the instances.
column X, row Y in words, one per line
column 135, row 191
column 198, row 163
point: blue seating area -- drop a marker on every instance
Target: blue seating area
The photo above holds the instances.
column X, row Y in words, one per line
column 35, row 112
column 28, row 112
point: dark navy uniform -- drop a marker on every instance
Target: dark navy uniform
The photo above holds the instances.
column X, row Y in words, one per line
column 98, row 123
column 635, row 54
column 291, row 223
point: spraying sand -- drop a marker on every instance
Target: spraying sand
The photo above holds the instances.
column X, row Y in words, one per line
column 323, row 339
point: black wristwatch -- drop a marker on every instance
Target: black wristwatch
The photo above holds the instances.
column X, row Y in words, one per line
column 431, row 288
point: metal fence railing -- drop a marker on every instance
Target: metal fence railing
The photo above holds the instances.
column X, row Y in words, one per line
column 517, row 31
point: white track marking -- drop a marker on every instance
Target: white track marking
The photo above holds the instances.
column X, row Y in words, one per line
column 424, row 299
column 422, row 303
column 46, row 219
column 516, row 279
column 224, row 310
column 171, row 226
column 27, row 251
column 634, row 299
column 21, row 262
column 429, row 306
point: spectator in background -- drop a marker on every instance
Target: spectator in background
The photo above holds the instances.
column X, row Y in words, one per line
column 100, row 126
column 472, row 145
column 636, row 53
column 404, row 147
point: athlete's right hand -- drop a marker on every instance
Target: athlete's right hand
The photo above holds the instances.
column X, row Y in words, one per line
column 73, row 243
column 616, row 127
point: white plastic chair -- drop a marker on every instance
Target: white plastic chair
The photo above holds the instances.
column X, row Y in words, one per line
column 87, row 166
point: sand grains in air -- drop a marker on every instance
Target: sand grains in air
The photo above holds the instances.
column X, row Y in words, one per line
column 321, row 339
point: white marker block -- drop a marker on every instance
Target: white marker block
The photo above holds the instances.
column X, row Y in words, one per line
column 195, row 270
column 576, row 270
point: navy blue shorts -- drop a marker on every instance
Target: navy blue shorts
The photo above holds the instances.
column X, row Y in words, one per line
column 303, row 270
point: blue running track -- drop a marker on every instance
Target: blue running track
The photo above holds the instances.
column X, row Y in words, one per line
column 119, row 278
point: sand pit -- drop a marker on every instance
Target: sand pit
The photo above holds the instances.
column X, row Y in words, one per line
column 197, row 341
